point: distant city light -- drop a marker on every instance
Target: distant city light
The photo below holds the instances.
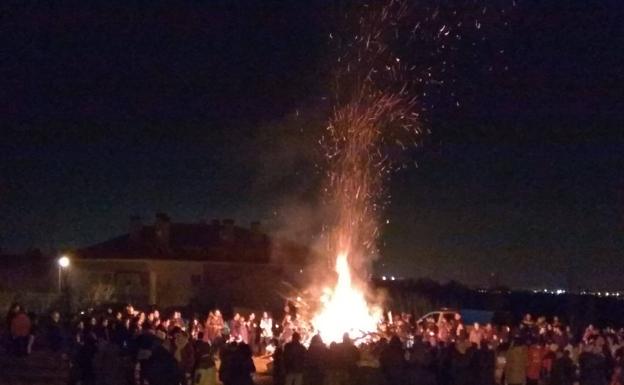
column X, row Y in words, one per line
column 383, row 278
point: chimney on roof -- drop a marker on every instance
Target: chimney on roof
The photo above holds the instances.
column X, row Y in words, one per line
column 227, row 232
column 136, row 229
column 162, row 230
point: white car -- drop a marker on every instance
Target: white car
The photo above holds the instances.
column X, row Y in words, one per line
column 436, row 316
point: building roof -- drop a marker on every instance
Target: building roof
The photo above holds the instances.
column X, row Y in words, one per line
column 215, row 242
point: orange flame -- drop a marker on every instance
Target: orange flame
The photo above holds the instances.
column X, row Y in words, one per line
column 345, row 309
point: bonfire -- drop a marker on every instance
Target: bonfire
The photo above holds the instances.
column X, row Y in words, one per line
column 345, row 310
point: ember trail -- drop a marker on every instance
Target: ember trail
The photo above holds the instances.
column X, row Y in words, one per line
column 372, row 106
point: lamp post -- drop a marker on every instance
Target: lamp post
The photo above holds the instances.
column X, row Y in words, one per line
column 63, row 263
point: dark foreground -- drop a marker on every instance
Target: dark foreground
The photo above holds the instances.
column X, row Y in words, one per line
column 44, row 368
column 38, row 368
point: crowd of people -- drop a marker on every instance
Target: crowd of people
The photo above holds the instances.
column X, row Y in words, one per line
column 133, row 347
column 533, row 352
column 443, row 352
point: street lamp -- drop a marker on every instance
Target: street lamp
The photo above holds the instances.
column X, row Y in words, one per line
column 63, row 263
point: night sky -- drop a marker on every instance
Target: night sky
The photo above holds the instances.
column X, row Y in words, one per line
column 213, row 111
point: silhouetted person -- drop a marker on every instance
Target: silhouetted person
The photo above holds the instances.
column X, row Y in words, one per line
column 420, row 366
column 144, row 343
column 294, row 360
column 103, row 329
column 392, row 362
column 593, row 366
column 316, row 362
column 184, row 353
column 278, row 364
column 443, row 367
column 55, row 333
column 108, row 367
column 563, row 371
column 237, row 364
column 348, row 357
column 161, row 367
column 462, row 371
column 486, row 364
column 243, row 365
column 205, row 372
column 228, row 365
column 83, row 360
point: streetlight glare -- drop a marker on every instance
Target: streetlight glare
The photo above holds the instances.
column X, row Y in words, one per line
column 63, row 262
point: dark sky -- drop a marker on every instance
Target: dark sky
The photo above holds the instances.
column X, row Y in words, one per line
column 212, row 111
